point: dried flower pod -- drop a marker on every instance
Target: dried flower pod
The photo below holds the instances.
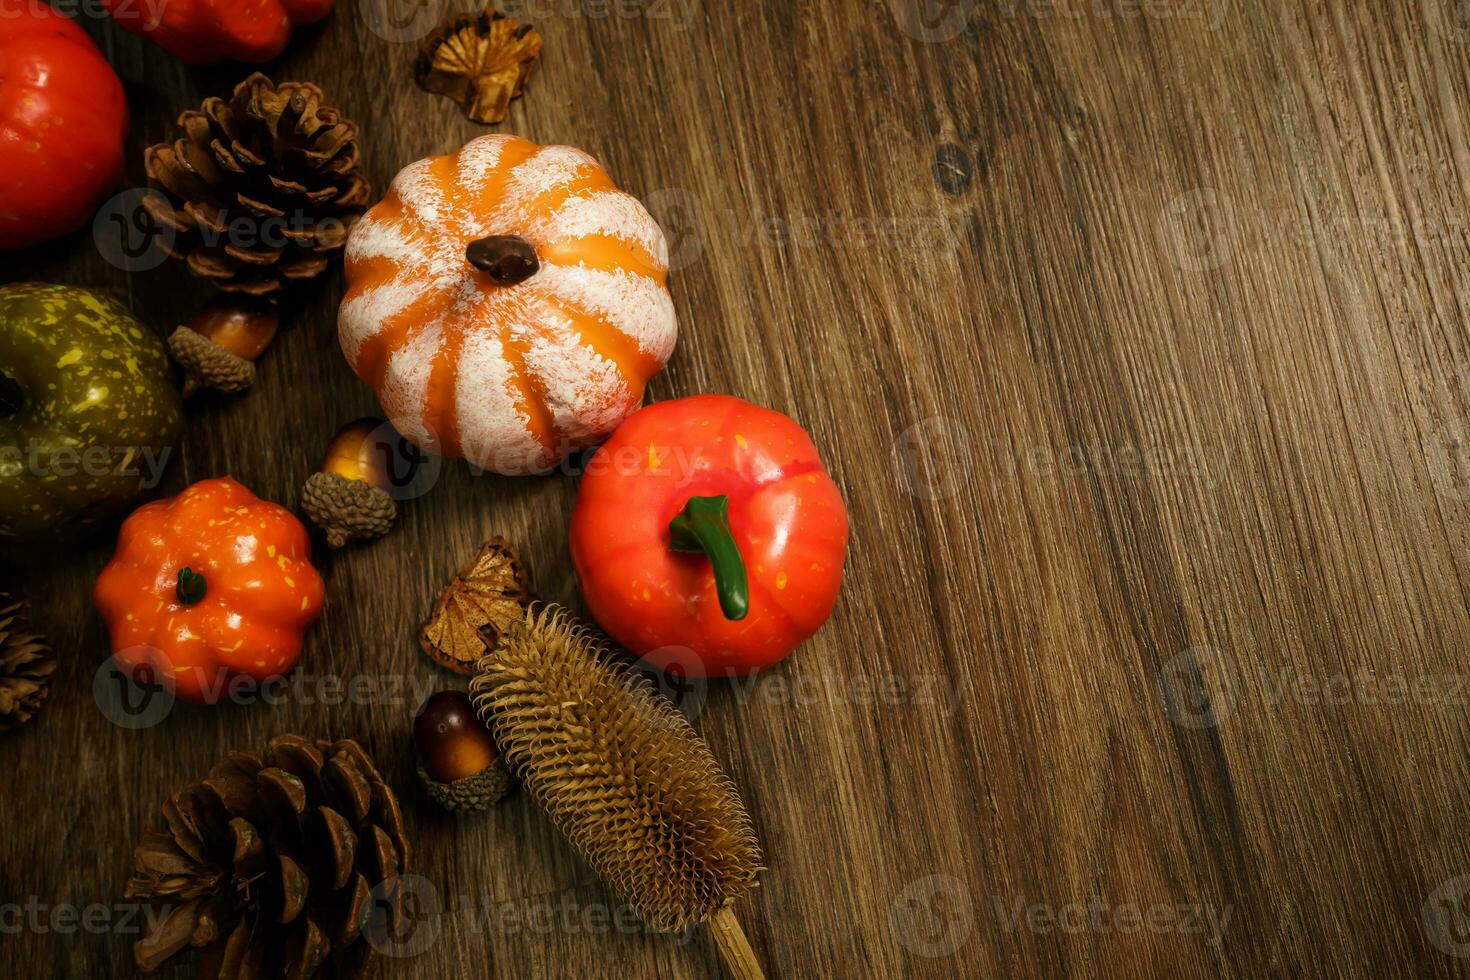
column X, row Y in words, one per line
column 349, row 498
column 481, row 61
column 219, row 346
column 459, row 764
column 487, row 595
column 620, row 772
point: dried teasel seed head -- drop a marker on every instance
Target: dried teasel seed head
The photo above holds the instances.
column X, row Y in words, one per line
column 349, row 498
column 218, row 347
column 619, row 770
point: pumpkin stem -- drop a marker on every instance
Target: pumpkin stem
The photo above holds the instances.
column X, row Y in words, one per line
column 191, row 587
column 507, row 259
column 703, row 528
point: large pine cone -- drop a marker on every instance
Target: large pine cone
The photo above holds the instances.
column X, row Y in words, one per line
column 261, row 189
column 274, row 863
column 26, row 666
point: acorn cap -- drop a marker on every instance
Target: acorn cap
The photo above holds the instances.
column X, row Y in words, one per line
column 348, row 510
column 472, row 793
column 207, row 364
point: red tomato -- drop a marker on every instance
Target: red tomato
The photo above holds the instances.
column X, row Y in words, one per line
column 63, row 119
column 202, row 32
column 672, row 579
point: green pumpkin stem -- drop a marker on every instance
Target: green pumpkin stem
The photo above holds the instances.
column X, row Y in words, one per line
column 191, row 587
column 703, row 527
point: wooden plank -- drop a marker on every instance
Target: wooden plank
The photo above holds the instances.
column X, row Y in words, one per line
column 1134, row 334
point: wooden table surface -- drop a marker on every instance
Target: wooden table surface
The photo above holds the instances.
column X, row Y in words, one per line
column 1134, row 333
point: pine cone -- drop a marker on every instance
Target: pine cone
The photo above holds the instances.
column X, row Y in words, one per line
column 261, row 189
column 273, row 863
column 26, row 666
column 619, row 770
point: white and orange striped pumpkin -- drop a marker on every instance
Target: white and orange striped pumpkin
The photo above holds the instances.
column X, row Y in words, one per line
column 507, row 303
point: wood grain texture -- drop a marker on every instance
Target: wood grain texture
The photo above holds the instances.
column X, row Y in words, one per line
column 1135, row 334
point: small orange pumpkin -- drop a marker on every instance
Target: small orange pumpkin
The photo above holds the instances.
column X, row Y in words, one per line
column 507, row 303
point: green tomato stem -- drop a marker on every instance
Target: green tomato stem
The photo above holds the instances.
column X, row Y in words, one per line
column 703, row 527
column 191, row 587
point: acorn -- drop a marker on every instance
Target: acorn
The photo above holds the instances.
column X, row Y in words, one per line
column 459, row 762
column 349, row 498
column 220, row 345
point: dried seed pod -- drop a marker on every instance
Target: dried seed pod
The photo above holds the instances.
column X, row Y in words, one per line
column 458, row 762
column 486, row 595
column 481, row 61
column 349, row 498
column 219, row 346
column 620, row 771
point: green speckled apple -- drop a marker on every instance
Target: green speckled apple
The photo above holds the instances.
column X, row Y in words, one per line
column 88, row 410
